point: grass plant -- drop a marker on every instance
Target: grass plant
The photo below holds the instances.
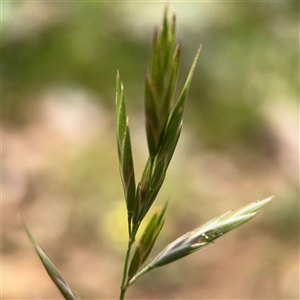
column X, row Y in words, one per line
column 163, row 122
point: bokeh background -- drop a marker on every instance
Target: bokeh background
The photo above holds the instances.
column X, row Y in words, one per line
column 240, row 143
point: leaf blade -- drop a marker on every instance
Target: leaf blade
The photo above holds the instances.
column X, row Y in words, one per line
column 147, row 240
column 171, row 134
column 159, row 82
column 204, row 235
column 126, row 166
column 51, row 269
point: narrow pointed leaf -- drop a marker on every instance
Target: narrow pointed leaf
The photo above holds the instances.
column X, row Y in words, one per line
column 175, row 120
column 165, row 102
column 147, row 241
column 164, row 28
column 170, row 137
column 204, row 235
column 209, row 234
column 163, row 158
column 170, row 89
column 174, row 124
column 250, row 208
column 127, row 174
column 152, row 123
column 159, row 86
column 172, row 29
column 121, row 114
column 143, row 191
column 156, row 67
column 124, row 151
column 51, row 269
column 169, row 141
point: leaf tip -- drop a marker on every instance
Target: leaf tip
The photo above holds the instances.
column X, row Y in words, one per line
column 269, row 198
column 265, row 201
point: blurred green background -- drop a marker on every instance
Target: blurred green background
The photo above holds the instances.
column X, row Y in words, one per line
column 240, row 143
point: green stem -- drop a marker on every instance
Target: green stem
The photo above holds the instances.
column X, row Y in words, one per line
column 122, row 294
column 124, row 281
column 123, row 286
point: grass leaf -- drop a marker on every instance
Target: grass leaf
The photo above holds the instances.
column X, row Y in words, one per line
column 124, row 152
column 152, row 123
column 204, row 235
column 159, row 85
column 121, row 113
column 147, row 241
column 171, row 135
column 51, row 268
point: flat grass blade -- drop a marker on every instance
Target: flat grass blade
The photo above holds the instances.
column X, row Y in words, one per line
column 51, row 269
column 170, row 138
column 204, row 235
column 147, row 241
column 126, row 166
column 160, row 82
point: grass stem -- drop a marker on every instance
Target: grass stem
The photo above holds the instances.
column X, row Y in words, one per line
column 124, row 285
column 124, row 280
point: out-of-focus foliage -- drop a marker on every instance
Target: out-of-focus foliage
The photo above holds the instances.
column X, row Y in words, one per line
column 74, row 44
column 250, row 51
